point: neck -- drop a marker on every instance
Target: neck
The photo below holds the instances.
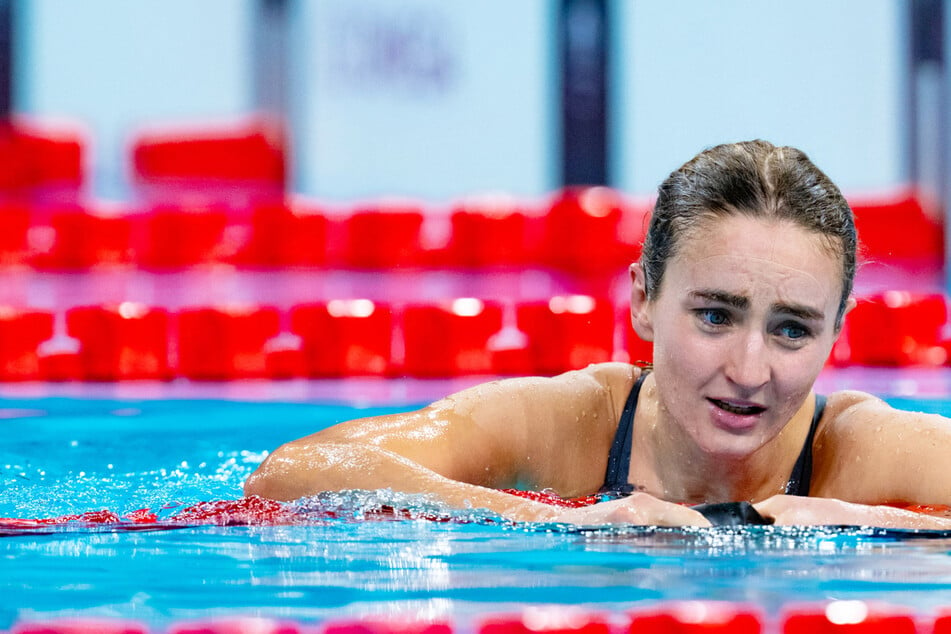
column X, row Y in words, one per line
column 669, row 464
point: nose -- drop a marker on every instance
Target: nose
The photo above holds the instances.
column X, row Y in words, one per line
column 748, row 364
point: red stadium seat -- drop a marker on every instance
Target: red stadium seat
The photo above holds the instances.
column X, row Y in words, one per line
column 175, row 236
column 942, row 622
column 547, row 620
column 584, row 232
column 284, row 357
column 345, row 337
column 79, row 238
column 40, row 161
column 14, row 228
column 386, row 626
column 384, row 236
column 450, row 338
column 894, row 328
column 284, row 235
column 852, row 617
column 235, row 163
column 235, row 625
column 21, row 333
column 568, row 332
column 80, row 626
column 119, row 342
column 897, row 229
column 488, row 232
column 697, row 617
column 59, row 360
column 225, row 343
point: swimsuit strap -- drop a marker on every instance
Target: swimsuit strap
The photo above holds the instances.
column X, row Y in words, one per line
column 619, row 458
column 801, row 476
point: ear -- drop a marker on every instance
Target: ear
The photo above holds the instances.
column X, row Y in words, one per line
column 849, row 305
column 641, row 314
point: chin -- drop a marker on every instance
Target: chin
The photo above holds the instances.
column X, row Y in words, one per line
column 732, row 447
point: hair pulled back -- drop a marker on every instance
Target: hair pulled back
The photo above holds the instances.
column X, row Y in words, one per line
column 759, row 180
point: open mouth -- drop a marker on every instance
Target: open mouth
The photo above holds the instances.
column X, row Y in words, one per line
column 735, row 408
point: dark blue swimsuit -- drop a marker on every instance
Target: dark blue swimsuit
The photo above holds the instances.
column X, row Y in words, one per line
column 619, row 460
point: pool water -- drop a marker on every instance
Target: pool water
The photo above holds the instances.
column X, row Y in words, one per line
column 341, row 556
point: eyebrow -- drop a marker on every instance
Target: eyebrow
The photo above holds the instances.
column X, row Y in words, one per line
column 742, row 303
column 722, row 297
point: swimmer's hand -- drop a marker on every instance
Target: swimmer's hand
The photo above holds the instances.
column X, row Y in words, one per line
column 639, row 508
column 809, row 511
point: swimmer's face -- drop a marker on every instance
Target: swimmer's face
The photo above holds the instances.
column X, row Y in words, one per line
column 742, row 325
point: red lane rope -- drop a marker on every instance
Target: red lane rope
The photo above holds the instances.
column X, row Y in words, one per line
column 254, row 510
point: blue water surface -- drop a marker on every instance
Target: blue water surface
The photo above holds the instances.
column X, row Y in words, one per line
column 64, row 456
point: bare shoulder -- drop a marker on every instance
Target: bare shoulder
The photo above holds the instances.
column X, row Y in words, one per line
column 553, row 432
column 606, row 382
column 849, row 402
column 849, row 412
column 870, row 452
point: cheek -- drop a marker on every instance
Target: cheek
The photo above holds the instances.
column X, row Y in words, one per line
column 796, row 377
column 683, row 362
column 678, row 347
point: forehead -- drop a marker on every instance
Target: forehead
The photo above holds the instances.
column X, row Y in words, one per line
column 741, row 254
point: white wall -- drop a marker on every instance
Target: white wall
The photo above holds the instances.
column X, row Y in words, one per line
column 429, row 98
column 115, row 65
column 440, row 98
column 823, row 75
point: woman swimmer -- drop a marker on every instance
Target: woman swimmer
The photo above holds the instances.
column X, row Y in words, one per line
column 743, row 284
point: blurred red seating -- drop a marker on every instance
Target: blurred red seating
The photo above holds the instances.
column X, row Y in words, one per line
column 696, row 617
column 225, row 343
column 583, row 231
column 345, row 337
column 547, row 620
column 385, row 236
column 852, row 617
column 21, row 333
column 284, row 357
column 80, row 626
column 173, row 236
column 282, row 234
column 942, row 622
column 897, row 229
column 235, row 625
column 39, row 161
column 390, row 626
column 14, row 228
column 894, row 328
column 488, row 232
column 59, row 358
column 568, row 332
column 120, row 342
column 450, row 338
column 80, row 238
column 240, row 162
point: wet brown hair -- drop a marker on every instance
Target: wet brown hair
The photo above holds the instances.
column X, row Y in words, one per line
column 759, row 180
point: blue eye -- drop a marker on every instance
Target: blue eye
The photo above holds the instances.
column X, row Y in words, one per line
column 792, row 330
column 713, row 317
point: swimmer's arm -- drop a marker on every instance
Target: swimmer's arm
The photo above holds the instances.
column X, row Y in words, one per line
column 812, row 511
column 333, row 461
column 870, row 453
column 300, row 469
column 541, row 433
